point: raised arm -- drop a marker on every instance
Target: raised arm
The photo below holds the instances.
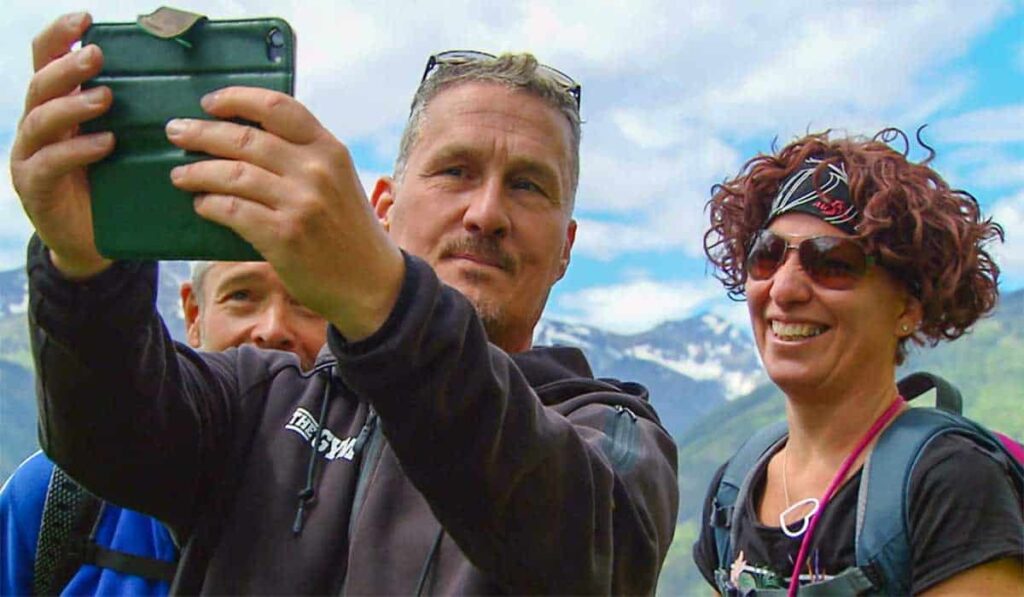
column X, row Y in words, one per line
column 569, row 490
column 134, row 416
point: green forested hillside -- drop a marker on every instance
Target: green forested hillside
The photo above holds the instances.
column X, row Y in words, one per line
column 987, row 365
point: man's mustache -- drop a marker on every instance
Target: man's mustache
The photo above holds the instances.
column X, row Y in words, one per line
column 486, row 248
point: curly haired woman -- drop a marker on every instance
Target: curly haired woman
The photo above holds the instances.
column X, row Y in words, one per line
column 845, row 252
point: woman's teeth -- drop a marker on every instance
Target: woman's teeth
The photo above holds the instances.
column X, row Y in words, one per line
column 796, row 331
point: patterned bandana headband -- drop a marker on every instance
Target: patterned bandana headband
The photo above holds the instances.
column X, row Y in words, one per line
column 829, row 199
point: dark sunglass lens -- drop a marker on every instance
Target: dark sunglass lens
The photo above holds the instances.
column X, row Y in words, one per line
column 765, row 256
column 835, row 263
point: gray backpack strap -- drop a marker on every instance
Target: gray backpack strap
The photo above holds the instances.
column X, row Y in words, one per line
column 947, row 396
column 734, row 486
column 70, row 513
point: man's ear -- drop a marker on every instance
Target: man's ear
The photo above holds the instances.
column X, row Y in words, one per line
column 382, row 199
column 190, row 307
column 570, row 238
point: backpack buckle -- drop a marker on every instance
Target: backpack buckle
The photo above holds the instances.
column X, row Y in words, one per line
column 721, row 516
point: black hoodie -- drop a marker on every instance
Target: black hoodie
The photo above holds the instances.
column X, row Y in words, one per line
column 422, row 459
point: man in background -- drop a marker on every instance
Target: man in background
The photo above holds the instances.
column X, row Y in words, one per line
column 225, row 305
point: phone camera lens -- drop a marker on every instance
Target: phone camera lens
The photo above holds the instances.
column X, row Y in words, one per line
column 275, row 45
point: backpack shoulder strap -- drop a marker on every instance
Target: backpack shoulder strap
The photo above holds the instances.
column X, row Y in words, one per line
column 69, row 515
column 67, row 540
column 734, row 486
column 883, row 519
column 947, row 396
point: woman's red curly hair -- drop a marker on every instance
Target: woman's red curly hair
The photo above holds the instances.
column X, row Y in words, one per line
column 930, row 237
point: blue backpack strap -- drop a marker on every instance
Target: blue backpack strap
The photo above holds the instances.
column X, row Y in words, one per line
column 734, row 486
column 883, row 514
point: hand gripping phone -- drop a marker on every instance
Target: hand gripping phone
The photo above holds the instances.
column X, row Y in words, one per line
column 158, row 68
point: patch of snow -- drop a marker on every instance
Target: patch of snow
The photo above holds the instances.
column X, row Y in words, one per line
column 739, row 383
column 696, row 370
column 20, row 307
column 717, row 324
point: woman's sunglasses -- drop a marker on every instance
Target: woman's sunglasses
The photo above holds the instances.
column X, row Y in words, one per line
column 831, row 261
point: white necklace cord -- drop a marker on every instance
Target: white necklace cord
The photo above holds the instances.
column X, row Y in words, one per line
column 805, row 521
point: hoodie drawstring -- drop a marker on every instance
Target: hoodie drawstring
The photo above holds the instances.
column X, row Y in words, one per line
column 429, row 563
column 306, row 493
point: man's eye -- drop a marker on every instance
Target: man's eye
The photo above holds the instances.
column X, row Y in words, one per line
column 525, row 184
column 457, row 171
column 239, row 295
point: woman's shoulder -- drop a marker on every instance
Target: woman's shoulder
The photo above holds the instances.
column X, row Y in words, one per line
column 954, row 467
column 964, row 509
column 957, row 454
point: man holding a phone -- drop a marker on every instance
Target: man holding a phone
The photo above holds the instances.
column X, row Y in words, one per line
column 225, row 305
column 431, row 448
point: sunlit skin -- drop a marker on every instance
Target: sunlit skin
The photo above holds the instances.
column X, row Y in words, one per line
column 836, row 382
column 246, row 303
column 862, row 324
column 486, row 200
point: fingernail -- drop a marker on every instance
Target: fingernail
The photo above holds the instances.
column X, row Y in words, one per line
column 102, row 139
column 75, row 19
column 177, row 173
column 176, row 127
column 94, row 96
column 208, row 100
column 86, row 56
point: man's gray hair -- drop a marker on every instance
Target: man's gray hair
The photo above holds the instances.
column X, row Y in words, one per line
column 197, row 273
column 516, row 71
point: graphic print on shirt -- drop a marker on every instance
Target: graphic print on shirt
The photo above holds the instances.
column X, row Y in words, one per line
column 331, row 446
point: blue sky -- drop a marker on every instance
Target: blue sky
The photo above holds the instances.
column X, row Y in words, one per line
column 675, row 98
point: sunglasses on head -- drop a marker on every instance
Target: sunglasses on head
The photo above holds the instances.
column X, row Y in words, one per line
column 830, row 261
column 456, row 57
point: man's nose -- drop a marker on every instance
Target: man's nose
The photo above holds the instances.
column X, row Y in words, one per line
column 487, row 213
column 273, row 328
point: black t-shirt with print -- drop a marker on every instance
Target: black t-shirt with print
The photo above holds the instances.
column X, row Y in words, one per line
column 964, row 511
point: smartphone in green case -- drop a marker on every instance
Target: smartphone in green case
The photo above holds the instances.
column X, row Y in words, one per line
column 158, row 69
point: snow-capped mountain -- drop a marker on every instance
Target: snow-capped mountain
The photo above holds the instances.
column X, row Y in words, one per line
column 690, row 366
column 14, row 295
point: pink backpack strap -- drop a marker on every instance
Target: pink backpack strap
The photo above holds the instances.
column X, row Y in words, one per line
column 1012, row 446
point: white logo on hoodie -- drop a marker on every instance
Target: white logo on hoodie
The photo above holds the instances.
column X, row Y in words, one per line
column 332, row 447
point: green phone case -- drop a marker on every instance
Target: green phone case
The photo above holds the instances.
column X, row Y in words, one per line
column 137, row 213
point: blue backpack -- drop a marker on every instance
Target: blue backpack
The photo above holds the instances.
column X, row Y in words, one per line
column 882, row 543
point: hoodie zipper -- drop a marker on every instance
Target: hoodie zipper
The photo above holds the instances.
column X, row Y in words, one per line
column 366, row 455
column 623, row 434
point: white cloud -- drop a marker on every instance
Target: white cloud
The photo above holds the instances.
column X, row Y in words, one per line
column 1004, row 124
column 999, row 173
column 605, row 241
column 1009, row 213
column 982, row 166
column 671, row 91
column 636, row 305
column 15, row 227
